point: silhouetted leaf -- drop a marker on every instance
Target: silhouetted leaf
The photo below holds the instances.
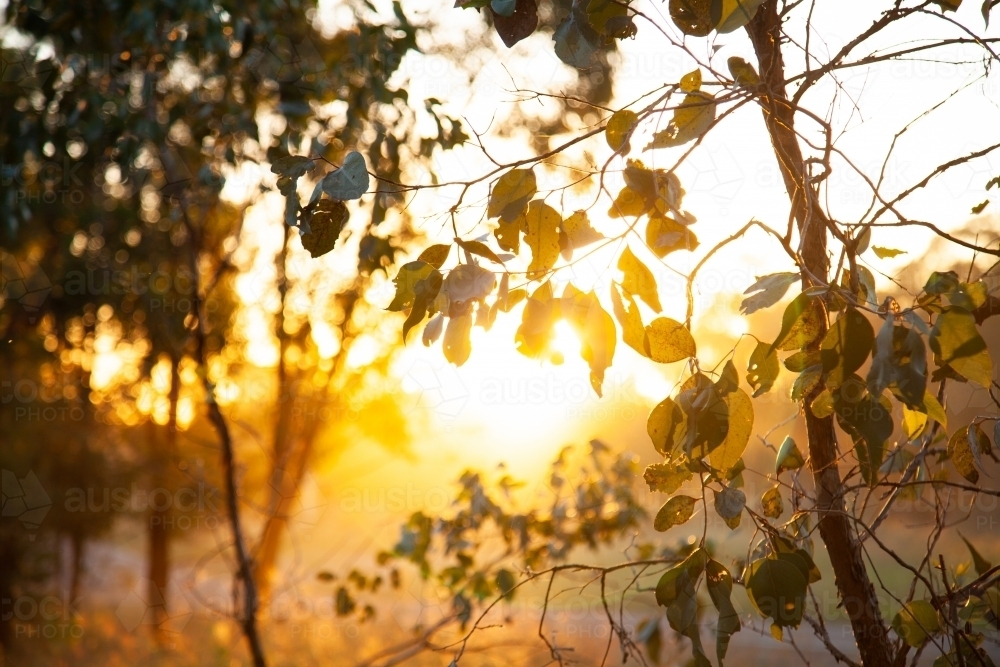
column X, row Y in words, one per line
column 325, row 222
column 692, row 17
column 519, row 25
column 720, row 589
column 777, row 590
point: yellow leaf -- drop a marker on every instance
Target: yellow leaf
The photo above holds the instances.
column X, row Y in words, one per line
column 726, row 455
column 638, row 279
column 691, row 81
column 457, row 344
column 542, row 236
column 743, row 72
column 511, row 193
column 617, row 130
column 627, row 204
column 691, row 120
column 627, row 314
column 669, row 341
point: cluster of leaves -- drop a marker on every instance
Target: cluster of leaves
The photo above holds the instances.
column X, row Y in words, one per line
column 590, row 26
column 321, row 221
column 487, row 543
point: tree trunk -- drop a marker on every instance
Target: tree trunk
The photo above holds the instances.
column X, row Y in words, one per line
column 159, row 517
column 853, row 584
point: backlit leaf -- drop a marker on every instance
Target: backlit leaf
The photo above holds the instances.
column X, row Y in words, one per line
column 789, row 457
column 981, row 564
column 767, row 291
column 665, row 235
column 638, row 280
column 731, row 15
column 762, row 369
column 662, row 425
column 511, row 193
column 674, row 512
column 740, row 408
column 956, row 342
column 691, row 81
column 407, row 277
column 691, row 119
column 771, row 503
column 965, row 457
column 743, row 72
column 886, row 253
column 457, row 343
column 846, row 346
column 667, row 477
column 869, row 423
column 576, row 232
column 627, row 313
column 618, row 128
column 669, row 341
column 692, row 17
column 542, row 236
column 435, row 255
column 915, row 622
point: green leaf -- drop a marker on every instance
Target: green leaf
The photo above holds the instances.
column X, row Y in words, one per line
column 762, row 369
column 981, row 564
column 662, row 425
column 869, row 423
column 771, row 502
column 731, row 15
column 665, row 235
column 667, row 477
column 638, row 280
column 542, row 236
column 846, row 346
column 692, row 118
column 669, row 341
column 692, row 17
column 619, row 126
column 720, row 589
column 627, row 313
column 325, row 221
column 915, row 622
column 674, row 512
column 956, row 342
column 789, row 457
column 886, row 253
column 599, row 12
column 350, row 181
column 767, row 291
column 706, row 417
column 511, row 194
column 777, row 590
column 669, row 588
column 899, row 360
column 729, row 504
column 740, row 409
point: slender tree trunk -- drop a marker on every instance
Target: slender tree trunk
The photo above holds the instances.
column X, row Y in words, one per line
column 853, row 584
column 159, row 517
column 282, row 489
column 244, row 562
